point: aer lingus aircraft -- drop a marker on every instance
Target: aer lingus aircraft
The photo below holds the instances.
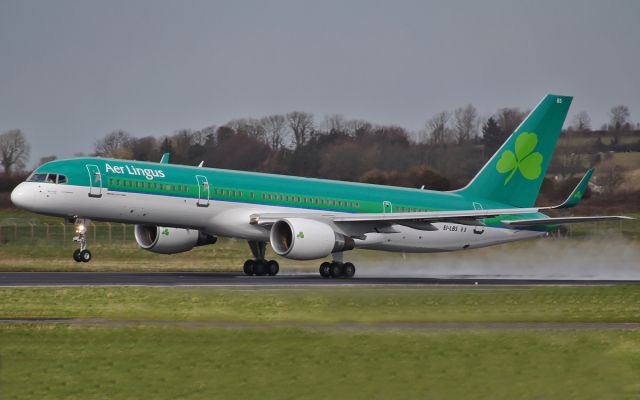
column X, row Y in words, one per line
column 176, row 207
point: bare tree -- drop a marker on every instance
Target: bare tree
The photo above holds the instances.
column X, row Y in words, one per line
column 619, row 117
column 301, row 124
column 509, row 118
column 358, row 126
column 275, row 129
column 14, row 150
column 465, row 123
column 248, row 126
column 436, row 130
column 113, row 144
column 335, row 123
column 581, row 122
column 46, row 159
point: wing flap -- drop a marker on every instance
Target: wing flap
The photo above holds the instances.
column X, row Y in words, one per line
column 562, row 220
column 468, row 216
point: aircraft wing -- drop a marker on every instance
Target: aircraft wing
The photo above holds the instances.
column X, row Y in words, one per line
column 465, row 217
column 562, row 220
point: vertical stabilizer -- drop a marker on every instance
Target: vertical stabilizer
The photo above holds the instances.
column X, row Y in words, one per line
column 515, row 172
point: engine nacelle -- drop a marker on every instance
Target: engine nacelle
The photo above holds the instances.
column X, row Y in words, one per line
column 307, row 239
column 163, row 240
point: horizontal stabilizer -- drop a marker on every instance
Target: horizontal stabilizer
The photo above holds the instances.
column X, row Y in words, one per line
column 575, row 196
column 562, row 220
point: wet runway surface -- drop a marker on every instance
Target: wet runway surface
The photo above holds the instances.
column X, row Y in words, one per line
column 223, row 279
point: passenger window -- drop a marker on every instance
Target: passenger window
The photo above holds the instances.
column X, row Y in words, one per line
column 62, row 179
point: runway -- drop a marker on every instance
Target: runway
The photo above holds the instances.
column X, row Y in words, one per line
column 226, row 279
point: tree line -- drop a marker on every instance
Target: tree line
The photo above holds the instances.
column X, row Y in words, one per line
column 445, row 154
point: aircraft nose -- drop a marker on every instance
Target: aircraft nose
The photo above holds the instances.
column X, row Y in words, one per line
column 20, row 196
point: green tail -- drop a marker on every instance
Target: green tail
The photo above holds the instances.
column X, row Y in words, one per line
column 515, row 173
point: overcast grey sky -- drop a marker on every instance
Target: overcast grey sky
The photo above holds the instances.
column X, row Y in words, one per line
column 72, row 71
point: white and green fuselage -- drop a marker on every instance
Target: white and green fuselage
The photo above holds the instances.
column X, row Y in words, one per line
column 221, row 202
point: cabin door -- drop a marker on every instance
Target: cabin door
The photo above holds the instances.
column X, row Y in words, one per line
column 479, row 229
column 203, row 191
column 387, row 207
column 95, row 181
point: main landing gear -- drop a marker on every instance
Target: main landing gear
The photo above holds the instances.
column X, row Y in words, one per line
column 337, row 268
column 259, row 266
column 82, row 254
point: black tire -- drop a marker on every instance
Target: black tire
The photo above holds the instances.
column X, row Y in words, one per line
column 349, row 270
column 325, row 269
column 248, row 267
column 273, row 267
column 85, row 256
column 259, row 267
column 337, row 269
column 76, row 255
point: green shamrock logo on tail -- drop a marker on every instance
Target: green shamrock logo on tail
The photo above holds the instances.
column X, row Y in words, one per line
column 525, row 160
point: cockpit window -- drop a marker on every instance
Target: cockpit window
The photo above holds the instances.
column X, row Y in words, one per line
column 37, row 178
column 48, row 178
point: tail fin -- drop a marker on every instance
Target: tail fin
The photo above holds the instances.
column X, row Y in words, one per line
column 515, row 172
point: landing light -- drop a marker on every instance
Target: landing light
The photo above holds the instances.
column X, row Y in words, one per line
column 81, row 229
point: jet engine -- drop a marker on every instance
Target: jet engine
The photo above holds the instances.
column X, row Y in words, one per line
column 163, row 240
column 307, row 239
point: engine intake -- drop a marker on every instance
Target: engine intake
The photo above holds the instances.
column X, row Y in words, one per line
column 164, row 240
column 307, row 239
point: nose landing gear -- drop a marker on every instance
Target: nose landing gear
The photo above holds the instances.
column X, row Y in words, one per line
column 82, row 254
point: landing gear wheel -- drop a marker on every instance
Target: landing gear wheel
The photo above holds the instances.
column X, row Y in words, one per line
column 85, row 256
column 349, row 270
column 248, row 267
column 336, row 269
column 273, row 267
column 325, row 269
column 259, row 267
column 76, row 255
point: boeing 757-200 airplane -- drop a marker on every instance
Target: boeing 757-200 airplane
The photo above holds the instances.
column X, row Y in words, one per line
column 177, row 207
